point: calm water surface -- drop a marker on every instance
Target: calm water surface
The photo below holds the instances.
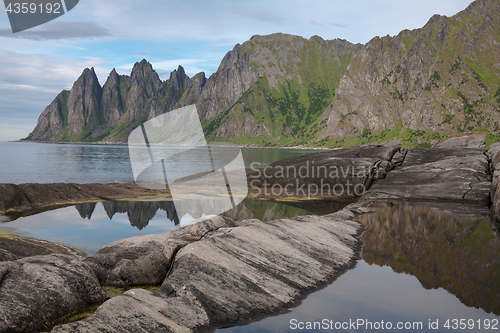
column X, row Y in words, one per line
column 26, row 162
column 419, row 263
column 90, row 226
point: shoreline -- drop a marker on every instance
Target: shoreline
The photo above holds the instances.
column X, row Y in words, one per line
column 220, row 251
column 125, row 144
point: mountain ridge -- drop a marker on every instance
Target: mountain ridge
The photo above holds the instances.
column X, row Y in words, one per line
column 417, row 87
column 430, row 78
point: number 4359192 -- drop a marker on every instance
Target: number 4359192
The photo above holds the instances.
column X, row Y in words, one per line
column 470, row 324
column 26, row 7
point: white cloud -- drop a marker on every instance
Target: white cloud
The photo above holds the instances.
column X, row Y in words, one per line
column 28, row 83
column 236, row 21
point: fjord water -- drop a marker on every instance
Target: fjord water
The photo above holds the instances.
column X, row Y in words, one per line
column 90, row 226
column 27, row 162
column 420, row 264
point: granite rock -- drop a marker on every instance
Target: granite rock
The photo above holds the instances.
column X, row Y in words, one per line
column 341, row 174
column 437, row 174
column 476, row 140
column 40, row 291
column 145, row 260
column 235, row 274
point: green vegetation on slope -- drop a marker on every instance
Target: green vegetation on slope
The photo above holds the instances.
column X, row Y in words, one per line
column 283, row 109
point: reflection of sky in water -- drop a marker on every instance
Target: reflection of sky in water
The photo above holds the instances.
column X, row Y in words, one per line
column 66, row 226
column 129, row 219
column 372, row 293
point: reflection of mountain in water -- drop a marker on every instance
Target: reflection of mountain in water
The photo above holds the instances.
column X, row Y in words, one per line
column 86, row 210
column 271, row 210
column 457, row 253
column 141, row 212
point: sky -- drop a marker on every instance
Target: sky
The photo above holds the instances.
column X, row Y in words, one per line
column 36, row 64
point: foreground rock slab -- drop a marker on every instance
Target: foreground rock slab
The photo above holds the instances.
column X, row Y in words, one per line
column 437, row 174
column 145, row 260
column 40, row 291
column 235, row 274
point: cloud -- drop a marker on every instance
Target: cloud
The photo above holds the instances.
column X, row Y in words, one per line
column 257, row 13
column 57, row 30
column 339, row 25
column 326, row 24
column 28, row 83
column 195, row 34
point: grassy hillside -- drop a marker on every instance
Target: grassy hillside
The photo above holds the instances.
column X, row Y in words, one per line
column 298, row 81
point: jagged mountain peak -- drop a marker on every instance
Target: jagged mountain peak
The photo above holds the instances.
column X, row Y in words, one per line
column 89, row 75
column 113, row 77
column 282, row 89
column 178, row 79
column 142, row 64
column 144, row 69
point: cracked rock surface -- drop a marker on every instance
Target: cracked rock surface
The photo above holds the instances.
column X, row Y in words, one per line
column 441, row 174
column 233, row 274
column 494, row 155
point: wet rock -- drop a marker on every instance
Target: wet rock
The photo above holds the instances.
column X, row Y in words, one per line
column 442, row 174
column 30, row 197
column 468, row 140
column 341, row 174
column 235, row 274
column 145, row 260
column 41, row 290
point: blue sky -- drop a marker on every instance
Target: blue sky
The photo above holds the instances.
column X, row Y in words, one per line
column 36, row 64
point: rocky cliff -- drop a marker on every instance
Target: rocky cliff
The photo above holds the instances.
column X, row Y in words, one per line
column 281, row 90
column 89, row 112
column 296, row 82
column 443, row 78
